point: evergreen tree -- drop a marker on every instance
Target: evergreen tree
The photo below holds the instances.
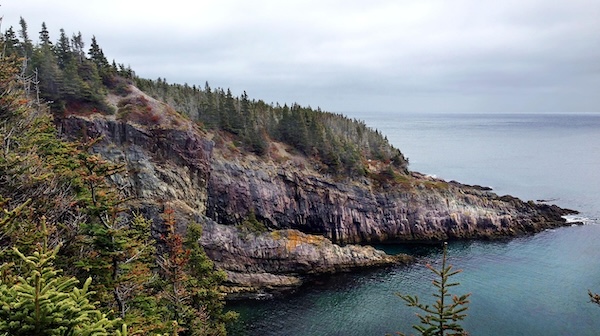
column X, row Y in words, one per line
column 205, row 282
column 26, row 44
column 42, row 302
column 78, row 45
column 47, row 70
column 97, row 55
column 45, row 35
column 11, row 43
column 190, row 283
column 63, row 50
column 442, row 318
column 208, row 114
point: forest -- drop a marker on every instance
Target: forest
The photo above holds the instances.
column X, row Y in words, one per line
column 76, row 258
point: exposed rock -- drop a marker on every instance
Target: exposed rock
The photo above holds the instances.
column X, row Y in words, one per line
column 162, row 165
column 421, row 208
column 278, row 260
column 174, row 162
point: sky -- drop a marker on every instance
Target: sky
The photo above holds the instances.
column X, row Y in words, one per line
column 350, row 56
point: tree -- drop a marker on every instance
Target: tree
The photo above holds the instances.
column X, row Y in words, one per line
column 11, row 42
column 205, row 282
column 27, row 45
column 63, row 50
column 190, row 288
column 442, row 318
column 47, row 70
column 42, row 302
column 78, row 45
column 97, row 56
column 117, row 250
column 45, row 35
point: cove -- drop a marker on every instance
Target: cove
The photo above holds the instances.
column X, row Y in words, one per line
column 533, row 285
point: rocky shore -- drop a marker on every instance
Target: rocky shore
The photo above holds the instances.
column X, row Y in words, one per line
column 311, row 222
column 265, row 263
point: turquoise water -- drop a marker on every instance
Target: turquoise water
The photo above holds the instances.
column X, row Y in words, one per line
column 535, row 285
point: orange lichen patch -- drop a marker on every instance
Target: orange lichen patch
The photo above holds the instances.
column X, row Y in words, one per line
column 295, row 238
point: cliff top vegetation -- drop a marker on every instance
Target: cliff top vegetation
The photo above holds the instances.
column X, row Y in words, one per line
column 75, row 82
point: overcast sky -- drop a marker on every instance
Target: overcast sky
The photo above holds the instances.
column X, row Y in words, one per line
column 351, row 56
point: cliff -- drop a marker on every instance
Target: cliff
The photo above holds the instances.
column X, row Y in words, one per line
column 419, row 208
column 305, row 216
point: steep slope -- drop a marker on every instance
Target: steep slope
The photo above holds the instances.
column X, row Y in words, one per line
column 301, row 213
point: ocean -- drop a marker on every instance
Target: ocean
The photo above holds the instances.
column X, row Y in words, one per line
column 533, row 285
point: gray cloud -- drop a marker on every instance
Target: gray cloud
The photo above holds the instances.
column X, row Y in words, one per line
column 344, row 56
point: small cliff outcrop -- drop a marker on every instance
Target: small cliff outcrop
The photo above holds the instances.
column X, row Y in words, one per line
column 279, row 259
column 311, row 219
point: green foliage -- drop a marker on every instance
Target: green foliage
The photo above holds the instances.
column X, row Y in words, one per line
column 448, row 310
column 340, row 145
column 42, row 302
column 74, row 83
column 205, row 282
column 63, row 75
column 44, row 178
column 252, row 225
column 190, row 284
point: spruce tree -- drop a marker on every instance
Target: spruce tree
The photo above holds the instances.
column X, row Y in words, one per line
column 442, row 318
column 11, row 43
column 63, row 49
column 26, row 44
column 42, row 302
column 97, row 55
column 45, row 35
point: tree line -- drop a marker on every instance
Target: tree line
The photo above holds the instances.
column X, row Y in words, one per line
column 67, row 75
column 342, row 146
column 70, row 79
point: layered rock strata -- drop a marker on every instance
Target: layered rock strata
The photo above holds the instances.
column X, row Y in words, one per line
column 306, row 214
column 419, row 208
column 273, row 261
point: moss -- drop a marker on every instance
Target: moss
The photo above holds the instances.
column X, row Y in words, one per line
column 252, row 225
column 436, row 185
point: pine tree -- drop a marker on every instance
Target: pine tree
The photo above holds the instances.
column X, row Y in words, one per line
column 78, row 45
column 45, row 35
column 97, row 55
column 190, row 283
column 11, row 42
column 173, row 263
column 118, row 250
column 26, row 44
column 42, row 302
column 205, row 281
column 63, row 50
column 442, row 318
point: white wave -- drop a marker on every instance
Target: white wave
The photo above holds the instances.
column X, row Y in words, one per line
column 576, row 219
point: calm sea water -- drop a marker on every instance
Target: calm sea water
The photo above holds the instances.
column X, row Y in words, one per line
column 535, row 285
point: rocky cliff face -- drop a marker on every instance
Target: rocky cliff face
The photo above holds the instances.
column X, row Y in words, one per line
column 418, row 208
column 170, row 161
column 162, row 165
